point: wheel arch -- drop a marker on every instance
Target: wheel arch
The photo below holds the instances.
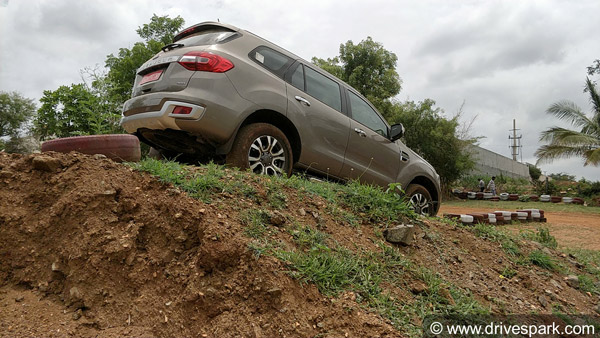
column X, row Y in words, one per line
column 276, row 119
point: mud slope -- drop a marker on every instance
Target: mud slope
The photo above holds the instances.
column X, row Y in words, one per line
column 88, row 237
column 92, row 248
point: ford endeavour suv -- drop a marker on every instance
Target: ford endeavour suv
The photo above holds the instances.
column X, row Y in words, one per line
column 220, row 91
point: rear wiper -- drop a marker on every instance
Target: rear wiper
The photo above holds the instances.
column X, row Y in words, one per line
column 171, row 46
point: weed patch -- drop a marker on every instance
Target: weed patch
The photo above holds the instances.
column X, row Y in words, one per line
column 542, row 236
column 542, row 260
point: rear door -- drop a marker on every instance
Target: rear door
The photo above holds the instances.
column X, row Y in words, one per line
column 315, row 106
column 371, row 157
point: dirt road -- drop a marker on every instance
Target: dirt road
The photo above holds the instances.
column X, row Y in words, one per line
column 575, row 230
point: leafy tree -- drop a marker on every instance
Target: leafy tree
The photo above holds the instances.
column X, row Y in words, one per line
column 72, row 111
column 367, row 67
column 594, row 68
column 95, row 107
column 15, row 113
column 562, row 177
column 122, row 68
column 161, row 29
column 565, row 143
column 534, row 172
column 371, row 69
column 432, row 136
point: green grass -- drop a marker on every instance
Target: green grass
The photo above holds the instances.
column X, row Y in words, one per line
column 509, row 272
column 588, row 284
column 306, row 237
column 256, row 222
column 514, row 205
column 508, row 242
column 335, row 269
column 541, row 259
column 590, row 259
column 314, row 256
column 542, row 236
column 198, row 184
column 370, row 204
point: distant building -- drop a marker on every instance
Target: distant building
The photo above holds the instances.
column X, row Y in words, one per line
column 491, row 164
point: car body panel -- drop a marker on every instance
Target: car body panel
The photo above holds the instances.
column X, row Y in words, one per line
column 324, row 132
column 379, row 167
column 327, row 137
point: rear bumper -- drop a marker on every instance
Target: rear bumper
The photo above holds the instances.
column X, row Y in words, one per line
column 217, row 112
column 162, row 119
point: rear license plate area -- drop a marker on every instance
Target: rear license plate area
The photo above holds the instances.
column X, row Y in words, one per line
column 150, row 77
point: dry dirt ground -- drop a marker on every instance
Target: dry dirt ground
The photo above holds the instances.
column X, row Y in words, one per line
column 89, row 248
column 571, row 229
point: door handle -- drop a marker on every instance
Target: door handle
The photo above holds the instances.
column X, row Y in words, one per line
column 360, row 132
column 302, row 100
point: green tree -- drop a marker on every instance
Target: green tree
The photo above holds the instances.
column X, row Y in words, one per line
column 94, row 107
column 371, row 69
column 71, row 111
column 161, row 29
column 367, row 67
column 594, row 68
column 562, row 177
column 434, row 137
column 565, row 143
column 15, row 113
column 122, row 68
column 534, row 172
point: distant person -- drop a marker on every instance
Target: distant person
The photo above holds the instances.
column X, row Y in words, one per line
column 492, row 186
column 481, row 185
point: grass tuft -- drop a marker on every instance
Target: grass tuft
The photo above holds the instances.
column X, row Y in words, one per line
column 542, row 260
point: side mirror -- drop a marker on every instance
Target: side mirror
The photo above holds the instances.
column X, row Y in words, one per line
column 396, row 131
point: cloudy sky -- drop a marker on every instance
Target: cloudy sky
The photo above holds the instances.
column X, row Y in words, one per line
column 503, row 60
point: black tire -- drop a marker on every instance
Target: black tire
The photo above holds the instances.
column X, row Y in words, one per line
column 262, row 148
column 420, row 200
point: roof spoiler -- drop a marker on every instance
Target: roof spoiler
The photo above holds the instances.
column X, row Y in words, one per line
column 203, row 27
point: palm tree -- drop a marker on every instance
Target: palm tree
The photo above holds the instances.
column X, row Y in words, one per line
column 564, row 143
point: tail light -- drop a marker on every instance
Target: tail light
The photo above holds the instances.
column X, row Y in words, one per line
column 181, row 110
column 205, row 62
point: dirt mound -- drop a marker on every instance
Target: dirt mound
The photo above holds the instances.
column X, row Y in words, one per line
column 92, row 247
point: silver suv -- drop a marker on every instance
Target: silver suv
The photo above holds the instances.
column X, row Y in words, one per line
column 220, row 91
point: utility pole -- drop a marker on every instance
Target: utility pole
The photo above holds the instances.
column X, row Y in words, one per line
column 516, row 142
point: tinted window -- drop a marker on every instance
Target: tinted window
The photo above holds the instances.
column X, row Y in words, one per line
column 363, row 113
column 208, row 37
column 323, row 89
column 271, row 60
column 298, row 78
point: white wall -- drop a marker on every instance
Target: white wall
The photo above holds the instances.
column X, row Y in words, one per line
column 491, row 164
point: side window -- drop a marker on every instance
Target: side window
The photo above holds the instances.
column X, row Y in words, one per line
column 270, row 59
column 323, row 89
column 363, row 113
column 297, row 79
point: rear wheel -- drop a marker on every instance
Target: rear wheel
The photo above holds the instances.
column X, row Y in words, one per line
column 420, row 200
column 262, row 148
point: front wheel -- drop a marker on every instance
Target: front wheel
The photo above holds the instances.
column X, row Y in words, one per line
column 262, row 148
column 420, row 200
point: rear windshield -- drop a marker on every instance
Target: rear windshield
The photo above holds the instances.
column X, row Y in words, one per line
column 208, row 37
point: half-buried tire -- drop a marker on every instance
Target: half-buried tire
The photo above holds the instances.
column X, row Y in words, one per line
column 118, row 147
